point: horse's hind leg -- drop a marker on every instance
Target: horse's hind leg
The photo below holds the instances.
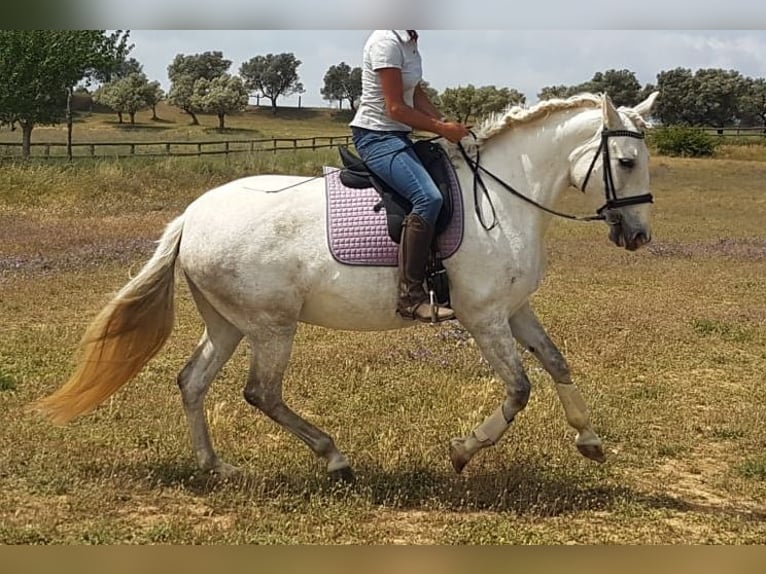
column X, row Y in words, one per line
column 271, row 349
column 530, row 333
column 215, row 348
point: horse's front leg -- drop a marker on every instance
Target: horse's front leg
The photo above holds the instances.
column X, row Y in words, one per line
column 528, row 330
column 496, row 343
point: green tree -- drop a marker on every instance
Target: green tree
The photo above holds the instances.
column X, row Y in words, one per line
column 154, row 94
column 342, row 83
column 621, row 85
column 719, row 96
column 551, row 92
column 432, row 93
column 39, row 70
column 117, row 65
column 272, row 76
column 223, row 95
column 184, row 71
column 675, row 106
column 753, row 112
column 466, row 103
column 125, row 96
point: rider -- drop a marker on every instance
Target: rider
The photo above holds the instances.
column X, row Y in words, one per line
column 392, row 104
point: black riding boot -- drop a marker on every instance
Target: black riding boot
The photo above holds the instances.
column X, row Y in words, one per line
column 414, row 302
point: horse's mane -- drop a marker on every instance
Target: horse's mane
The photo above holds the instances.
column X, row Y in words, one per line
column 518, row 115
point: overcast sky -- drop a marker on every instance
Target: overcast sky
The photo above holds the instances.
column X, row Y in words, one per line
column 523, row 59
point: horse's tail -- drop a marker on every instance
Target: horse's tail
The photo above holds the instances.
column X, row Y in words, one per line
column 123, row 338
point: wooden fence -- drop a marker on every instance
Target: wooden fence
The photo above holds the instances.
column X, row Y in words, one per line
column 736, row 132
column 171, row 149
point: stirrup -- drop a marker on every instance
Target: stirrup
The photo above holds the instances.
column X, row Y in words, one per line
column 434, row 307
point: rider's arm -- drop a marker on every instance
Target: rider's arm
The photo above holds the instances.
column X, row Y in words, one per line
column 393, row 92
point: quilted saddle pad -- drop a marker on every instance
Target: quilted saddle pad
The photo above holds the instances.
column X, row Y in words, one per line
column 358, row 235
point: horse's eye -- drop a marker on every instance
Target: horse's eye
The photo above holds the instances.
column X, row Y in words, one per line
column 627, row 162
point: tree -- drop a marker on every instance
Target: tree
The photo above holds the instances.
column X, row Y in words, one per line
column 342, row 83
column 431, row 93
column 675, row 105
column 719, row 96
column 551, row 92
column 126, row 95
column 272, row 76
column 154, row 94
column 220, row 96
column 184, row 71
column 753, row 111
column 621, row 85
column 39, row 69
column 117, row 65
column 708, row 97
column 469, row 102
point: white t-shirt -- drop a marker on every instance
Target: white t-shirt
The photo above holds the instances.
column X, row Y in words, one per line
column 386, row 49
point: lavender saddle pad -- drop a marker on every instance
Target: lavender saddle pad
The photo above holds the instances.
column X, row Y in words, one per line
column 358, row 235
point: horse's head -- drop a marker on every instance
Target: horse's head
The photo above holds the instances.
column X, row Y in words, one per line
column 621, row 158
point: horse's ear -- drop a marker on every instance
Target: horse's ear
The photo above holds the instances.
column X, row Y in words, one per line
column 611, row 117
column 644, row 109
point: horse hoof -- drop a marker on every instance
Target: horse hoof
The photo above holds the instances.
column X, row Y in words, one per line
column 343, row 475
column 458, row 455
column 225, row 472
column 592, row 451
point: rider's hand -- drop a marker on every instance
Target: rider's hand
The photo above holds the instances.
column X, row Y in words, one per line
column 453, row 131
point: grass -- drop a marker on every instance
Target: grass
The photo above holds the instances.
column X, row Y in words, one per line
column 667, row 345
column 174, row 125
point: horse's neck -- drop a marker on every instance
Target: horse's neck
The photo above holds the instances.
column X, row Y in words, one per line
column 534, row 159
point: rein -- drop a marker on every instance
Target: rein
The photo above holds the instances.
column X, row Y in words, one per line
column 604, row 213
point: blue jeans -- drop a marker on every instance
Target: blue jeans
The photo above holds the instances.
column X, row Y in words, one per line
column 388, row 156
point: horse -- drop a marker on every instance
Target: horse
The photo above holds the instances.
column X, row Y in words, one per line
column 255, row 256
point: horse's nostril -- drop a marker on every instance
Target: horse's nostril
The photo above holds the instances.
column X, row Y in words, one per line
column 641, row 238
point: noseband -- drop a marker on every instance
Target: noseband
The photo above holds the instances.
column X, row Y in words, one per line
column 606, row 212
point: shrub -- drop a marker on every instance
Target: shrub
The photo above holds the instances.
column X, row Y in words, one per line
column 682, row 141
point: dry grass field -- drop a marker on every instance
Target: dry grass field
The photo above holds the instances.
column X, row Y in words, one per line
column 668, row 345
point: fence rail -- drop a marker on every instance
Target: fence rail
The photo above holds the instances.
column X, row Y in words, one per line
column 736, row 132
column 171, row 149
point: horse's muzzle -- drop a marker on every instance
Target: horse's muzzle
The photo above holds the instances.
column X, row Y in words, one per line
column 631, row 240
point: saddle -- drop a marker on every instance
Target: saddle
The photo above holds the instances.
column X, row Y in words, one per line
column 355, row 174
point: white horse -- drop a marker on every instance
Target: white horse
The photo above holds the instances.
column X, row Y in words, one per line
column 254, row 253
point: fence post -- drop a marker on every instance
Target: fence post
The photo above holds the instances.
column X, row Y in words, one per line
column 226, row 147
column 199, row 148
column 47, row 150
column 167, row 148
column 274, row 142
column 132, row 149
column 92, row 148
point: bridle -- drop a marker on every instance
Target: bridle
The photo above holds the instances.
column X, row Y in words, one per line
column 607, row 212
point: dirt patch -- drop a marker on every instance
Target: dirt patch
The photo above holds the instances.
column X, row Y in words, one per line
column 89, row 255
column 693, row 481
column 752, row 249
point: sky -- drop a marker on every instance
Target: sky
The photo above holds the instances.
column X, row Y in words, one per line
column 524, row 59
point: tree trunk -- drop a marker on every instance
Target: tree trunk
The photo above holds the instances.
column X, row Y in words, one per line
column 69, row 124
column 195, row 121
column 220, row 121
column 132, row 118
column 273, row 106
column 119, row 115
column 26, row 138
column 154, row 112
